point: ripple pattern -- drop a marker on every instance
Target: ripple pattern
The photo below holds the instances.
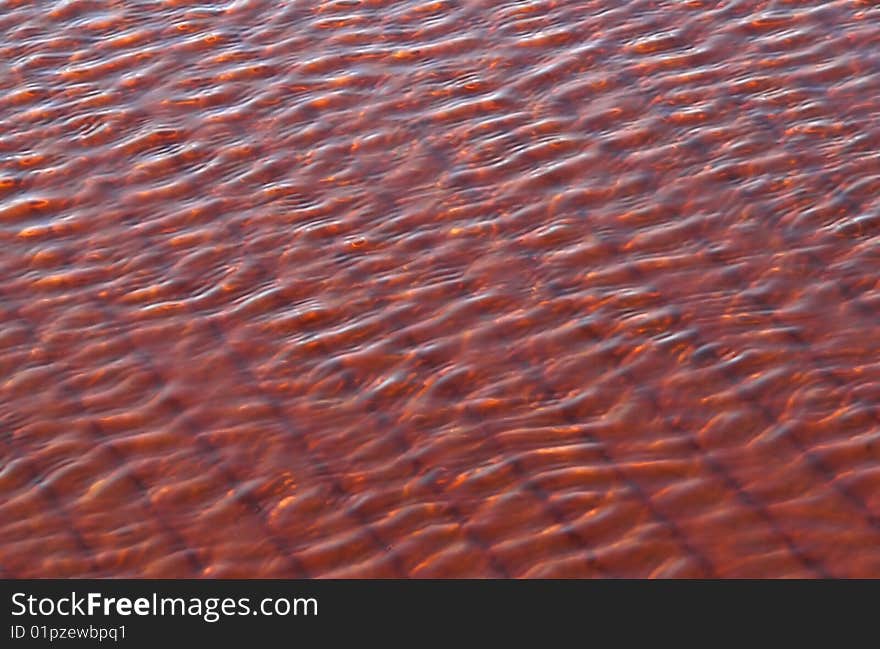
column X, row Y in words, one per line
column 465, row 288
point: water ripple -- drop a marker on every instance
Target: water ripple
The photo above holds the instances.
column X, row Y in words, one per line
column 401, row 288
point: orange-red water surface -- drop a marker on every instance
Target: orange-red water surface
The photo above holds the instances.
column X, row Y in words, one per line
column 466, row 288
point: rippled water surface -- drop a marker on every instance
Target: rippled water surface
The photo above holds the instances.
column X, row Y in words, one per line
column 456, row 288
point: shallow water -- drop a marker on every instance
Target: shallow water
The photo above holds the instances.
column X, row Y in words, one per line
column 350, row 289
